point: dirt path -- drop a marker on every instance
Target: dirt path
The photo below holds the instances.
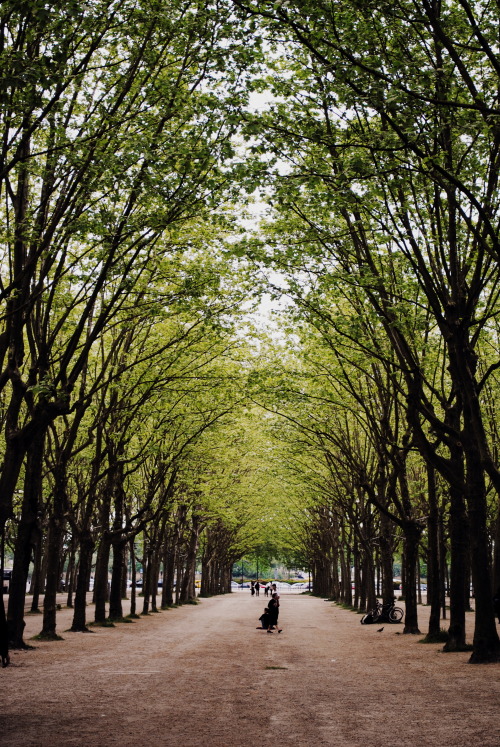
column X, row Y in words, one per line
column 203, row 675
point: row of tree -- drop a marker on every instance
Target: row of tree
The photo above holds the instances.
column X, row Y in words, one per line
column 128, row 135
column 384, row 123
column 119, row 364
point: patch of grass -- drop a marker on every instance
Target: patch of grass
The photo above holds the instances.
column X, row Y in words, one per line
column 457, row 649
column 119, row 619
column 276, row 667
column 85, row 630
column 134, row 617
column 104, row 624
column 47, row 637
column 169, row 606
column 347, row 606
column 441, row 637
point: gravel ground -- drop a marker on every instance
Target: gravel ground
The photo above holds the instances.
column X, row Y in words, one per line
column 204, row 675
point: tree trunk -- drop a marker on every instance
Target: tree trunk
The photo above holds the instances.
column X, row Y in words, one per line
column 188, row 581
column 412, row 533
column 169, row 562
column 146, row 579
column 404, row 581
column 433, row 590
column 357, row 573
column 496, row 553
column 124, row 573
column 36, row 586
column 386, row 559
column 26, row 539
column 208, row 573
column 155, row 574
column 133, row 586
column 115, row 597
column 101, row 580
column 118, row 544
column 178, row 575
column 84, row 566
column 463, row 364
column 345, row 575
column 486, row 644
column 71, row 572
column 459, row 548
column 54, row 543
column 443, row 576
column 419, row 582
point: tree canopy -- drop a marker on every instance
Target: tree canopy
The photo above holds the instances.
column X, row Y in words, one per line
column 170, row 171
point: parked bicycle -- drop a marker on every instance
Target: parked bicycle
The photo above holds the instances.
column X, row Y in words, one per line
column 383, row 613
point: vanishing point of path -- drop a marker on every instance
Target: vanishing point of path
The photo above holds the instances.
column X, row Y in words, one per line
column 204, row 676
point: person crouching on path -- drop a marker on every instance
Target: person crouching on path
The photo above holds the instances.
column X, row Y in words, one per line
column 264, row 620
column 274, row 610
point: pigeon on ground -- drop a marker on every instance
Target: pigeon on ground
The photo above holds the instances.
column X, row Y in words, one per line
column 379, row 630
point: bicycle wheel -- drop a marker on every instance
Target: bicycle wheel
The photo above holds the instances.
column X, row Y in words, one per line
column 396, row 614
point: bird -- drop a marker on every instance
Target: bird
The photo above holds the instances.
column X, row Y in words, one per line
column 379, row 630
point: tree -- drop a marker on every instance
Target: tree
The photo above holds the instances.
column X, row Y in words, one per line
column 398, row 137
column 111, row 140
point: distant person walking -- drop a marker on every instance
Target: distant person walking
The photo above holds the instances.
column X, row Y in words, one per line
column 267, row 589
column 257, row 587
column 252, row 588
